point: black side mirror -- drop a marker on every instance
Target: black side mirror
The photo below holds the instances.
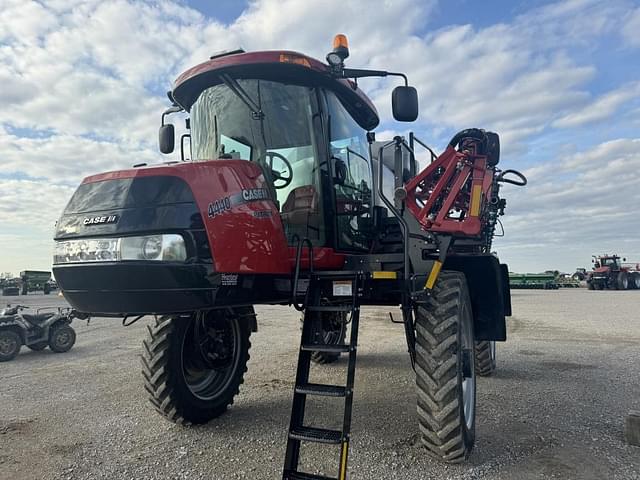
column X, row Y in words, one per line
column 166, row 137
column 404, row 101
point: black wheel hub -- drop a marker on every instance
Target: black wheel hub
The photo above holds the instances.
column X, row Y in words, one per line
column 62, row 339
column 210, row 354
column 215, row 347
column 7, row 345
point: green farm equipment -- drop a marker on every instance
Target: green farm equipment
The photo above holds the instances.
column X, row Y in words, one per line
column 566, row 280
column 541, row 281
column 10, row 287
column 34, row 280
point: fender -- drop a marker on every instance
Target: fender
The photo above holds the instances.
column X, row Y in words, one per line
column 490, row 297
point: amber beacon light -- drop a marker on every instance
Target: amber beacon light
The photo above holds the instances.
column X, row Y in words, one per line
column 340, row 50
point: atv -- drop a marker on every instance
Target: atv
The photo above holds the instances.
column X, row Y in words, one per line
column 37, row 331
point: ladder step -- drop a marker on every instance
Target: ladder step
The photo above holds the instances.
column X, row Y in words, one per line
column 289, row 475
column 318, row 435
column 330, row 308
column 312, row 347
column 322, row 390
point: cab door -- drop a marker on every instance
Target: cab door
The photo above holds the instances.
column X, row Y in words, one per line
column 351, row 179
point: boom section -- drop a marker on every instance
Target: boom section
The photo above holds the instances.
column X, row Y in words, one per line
column 450, row 194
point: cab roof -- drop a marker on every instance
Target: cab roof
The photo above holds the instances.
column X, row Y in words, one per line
column 276, row 65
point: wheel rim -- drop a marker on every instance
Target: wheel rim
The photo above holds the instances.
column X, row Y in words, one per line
column 492, row 349
column 63, row 338
column 7, row 345
column 332, row 329
column 468, row 372
column 210, row 355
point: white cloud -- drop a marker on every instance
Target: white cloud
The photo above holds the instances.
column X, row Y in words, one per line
column 631, row 28
column 601, row 108
column 582, row 204
column 66, row 159
column 29, row 210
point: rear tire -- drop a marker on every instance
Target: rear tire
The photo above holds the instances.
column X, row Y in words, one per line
column 62, row 338
column 10, row 343
column 622, row 282
column 329, row 329
column 445, row 370
column 590, row 286
column 485, row 358
column 193, row 366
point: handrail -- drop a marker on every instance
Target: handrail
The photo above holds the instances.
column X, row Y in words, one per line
column 296, row 277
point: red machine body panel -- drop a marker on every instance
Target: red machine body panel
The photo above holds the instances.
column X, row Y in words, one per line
column 244, row 228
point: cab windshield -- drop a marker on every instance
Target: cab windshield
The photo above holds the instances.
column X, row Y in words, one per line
column 270, row 123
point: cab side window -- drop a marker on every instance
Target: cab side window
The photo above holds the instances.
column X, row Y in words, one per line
column 352, row 181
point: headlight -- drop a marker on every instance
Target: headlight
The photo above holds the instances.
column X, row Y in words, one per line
column 168, row 247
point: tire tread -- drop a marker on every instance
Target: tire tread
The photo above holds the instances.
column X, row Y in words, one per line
column 485, row 364
column 438, row 406
column 158, row 380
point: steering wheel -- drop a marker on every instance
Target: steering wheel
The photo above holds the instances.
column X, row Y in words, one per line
column 285, row 178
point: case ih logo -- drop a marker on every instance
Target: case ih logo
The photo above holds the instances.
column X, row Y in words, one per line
column 103, row 220
column 251, row 194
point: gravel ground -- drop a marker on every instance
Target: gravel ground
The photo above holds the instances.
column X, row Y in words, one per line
column 566, row 378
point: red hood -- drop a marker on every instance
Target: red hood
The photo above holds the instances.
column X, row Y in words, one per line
column 176, row 169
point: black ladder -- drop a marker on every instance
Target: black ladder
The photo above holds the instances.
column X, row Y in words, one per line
column 298, row 432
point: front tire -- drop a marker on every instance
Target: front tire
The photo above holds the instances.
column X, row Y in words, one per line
column 10, row 343
column 193, row 366
column 445, row 370
column 485, row 352
column 62, row 338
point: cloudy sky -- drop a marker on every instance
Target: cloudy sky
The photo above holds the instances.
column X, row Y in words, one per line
column 82, row 86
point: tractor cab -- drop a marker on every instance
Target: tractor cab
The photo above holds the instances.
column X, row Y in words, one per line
column 306, row 130
column 284, row 134
column 611, row 261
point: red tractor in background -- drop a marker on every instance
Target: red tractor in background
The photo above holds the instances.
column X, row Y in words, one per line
column 290, row 200
column 610, row 273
